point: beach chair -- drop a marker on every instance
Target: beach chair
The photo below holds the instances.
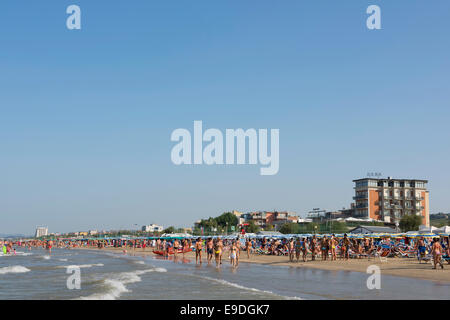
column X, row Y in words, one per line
column 406, row 254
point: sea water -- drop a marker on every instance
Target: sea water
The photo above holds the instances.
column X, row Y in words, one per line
column 39, row 274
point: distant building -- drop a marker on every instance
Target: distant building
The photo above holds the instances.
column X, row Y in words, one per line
column 93, row 232
column 240, row 216
column 388, row 200
column 152, row 228
column 371, row 230
column 41, row 232
column 187, row 230
column 264, row 219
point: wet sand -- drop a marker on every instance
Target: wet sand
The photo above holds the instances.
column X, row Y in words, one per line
column 401, row 267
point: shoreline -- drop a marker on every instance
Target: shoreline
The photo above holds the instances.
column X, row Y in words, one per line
column 398, row 267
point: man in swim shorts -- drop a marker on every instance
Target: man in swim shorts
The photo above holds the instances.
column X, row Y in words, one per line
column 209, row 249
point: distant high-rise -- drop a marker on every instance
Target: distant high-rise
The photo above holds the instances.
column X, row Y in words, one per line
column 389, row 199
column 41, row 231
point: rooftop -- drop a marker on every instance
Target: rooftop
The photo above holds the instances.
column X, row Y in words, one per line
column 390, row 179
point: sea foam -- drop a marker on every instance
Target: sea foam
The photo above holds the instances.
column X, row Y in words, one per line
column 14, row 269
column 115, row 286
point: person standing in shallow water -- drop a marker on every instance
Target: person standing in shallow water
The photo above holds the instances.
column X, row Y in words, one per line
column 198, row 251
column 217, row 252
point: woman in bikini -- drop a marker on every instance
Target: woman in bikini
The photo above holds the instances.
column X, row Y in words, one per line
column 291, row 250
column 313, row 247
column 436, row 250
column 298, row 248
column 233, row 255
column 217, row 253
column 333, row 244
column 305, row 248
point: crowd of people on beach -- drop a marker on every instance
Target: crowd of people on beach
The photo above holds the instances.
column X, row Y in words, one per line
column 311, row 248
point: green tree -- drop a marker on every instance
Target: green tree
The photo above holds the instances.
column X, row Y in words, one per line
column 170, row 229
column 312, row 227
column 290, row 228
column 410, row 222
column 252, row 228
column 227, row 219
column 338, row 227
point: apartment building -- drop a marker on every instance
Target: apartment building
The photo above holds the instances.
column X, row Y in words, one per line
column 41, row 232
column 152, row 228
column 390, row 199
column 266, row 218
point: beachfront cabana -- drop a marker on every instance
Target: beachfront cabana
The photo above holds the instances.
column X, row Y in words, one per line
column 372, row 230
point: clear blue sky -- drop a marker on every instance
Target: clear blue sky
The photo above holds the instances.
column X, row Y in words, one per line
column 86, row 116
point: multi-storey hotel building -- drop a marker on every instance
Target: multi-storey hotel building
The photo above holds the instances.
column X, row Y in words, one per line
column 389, row 199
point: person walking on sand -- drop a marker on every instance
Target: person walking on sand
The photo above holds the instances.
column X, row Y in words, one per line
column 324, row 248
column 305, row 249
column 313, row 247
column 291, row 250
column 333, row 244
column 436, row 250
column 248, row 246
column 298, row 249
column 421, row 249
column 198, row 251
column 345, row 247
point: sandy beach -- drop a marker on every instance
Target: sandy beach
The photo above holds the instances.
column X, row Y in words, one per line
column 401, row 267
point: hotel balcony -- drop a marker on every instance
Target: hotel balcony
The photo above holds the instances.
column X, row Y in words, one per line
column 361, row 206
column 419, row 198
column 360, row 197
